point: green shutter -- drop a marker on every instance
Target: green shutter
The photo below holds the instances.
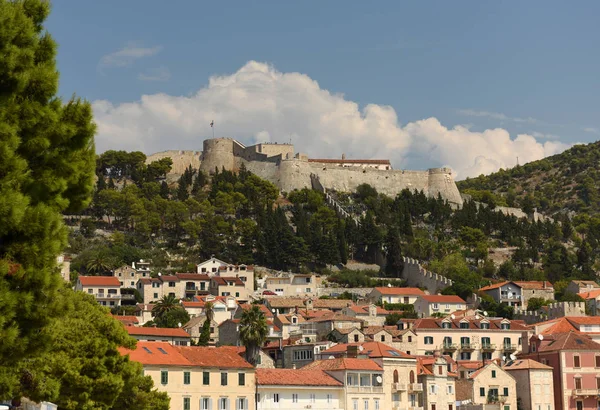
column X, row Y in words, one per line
column 506, row 391
column 186, row 403
column 206, row 378
column 186, row 377
column 482, row 391
column 164, row 377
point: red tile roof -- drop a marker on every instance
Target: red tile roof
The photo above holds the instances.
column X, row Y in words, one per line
column 590, row 295
column 156, row 353
column 99, row 281
column 214, row 357
column 521, row 284
column 156, row 331
column 521, row 364
column 584, row 320
column 372, row 349
column 127, row 320
column 343, row 363
column 193, row 276
column 335, row 317
column 294, row 377
column 443, row 299
column 434, row 323
column 567, row 341
column 169, row 278
column 399, row 291
column 193, row 304
column 224, row 281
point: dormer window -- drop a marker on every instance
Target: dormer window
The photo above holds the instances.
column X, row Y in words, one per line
column 294, row 320
column 464, row 325
column 485, row 325
column 446, row 325
column 505, row 326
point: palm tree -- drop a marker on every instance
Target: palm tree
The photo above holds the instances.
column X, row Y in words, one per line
column 253, row 332
column 164, row 305
column 209, row 311
column 98, row 265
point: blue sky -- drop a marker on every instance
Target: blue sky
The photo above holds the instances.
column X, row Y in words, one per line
column 523, row 67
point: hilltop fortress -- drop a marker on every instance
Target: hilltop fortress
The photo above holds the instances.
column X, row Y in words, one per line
column 279, row 164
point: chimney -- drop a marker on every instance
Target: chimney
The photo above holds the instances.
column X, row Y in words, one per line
column 544, row 285
column 352, row 351
column 343, row 156
column 294, row 366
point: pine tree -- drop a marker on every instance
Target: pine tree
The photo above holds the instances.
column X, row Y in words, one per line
column 47, row 168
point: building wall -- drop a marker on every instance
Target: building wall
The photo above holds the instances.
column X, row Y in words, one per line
column 292, row 285
column 426, row 309
column 445, row 388
column 536, row 389
column 527, row 294
column 304, row 399
column 404, row 367
column 417, row 276
column 181, row 159
column 177, row 390
column 503, row 379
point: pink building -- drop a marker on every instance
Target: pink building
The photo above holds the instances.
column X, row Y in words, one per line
column 575, row 360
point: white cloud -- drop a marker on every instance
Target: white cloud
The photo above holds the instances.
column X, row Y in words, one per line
column 127, row 55
column 497, row 116
column 592, row 130
column 258, row 103
column 155, row 74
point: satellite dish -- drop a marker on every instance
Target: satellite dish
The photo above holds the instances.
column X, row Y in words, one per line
column 452, row 316
column 159, row 274
column 503, row 358
column 389, row 285
column 485, row 313
column 331, row 357
column 477, row 317
column 360, row 348
column 179, row 324
column 379, row 379
column 512, row 357
column 541, row 337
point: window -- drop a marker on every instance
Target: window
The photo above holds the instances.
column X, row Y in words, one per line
column 355, row 338
column 493, row 374
column 432, row 406
column 409, row 339
column 276, row 398
column 156, row 296
column 205, row 378
column 223, row 403
column 450, row 389
column 383, row 338
column 433, row 389
column 486, row 355
column 329, row 398
column 435, row 306
column 576, row 361
column 186, row 403
column 376, row 403
column 598, row 382
column 465, row 341
column 464, row 325
column 485, row 342
column 579, row 405
column 186, row 377
column 164, row 377
column 366, row 402
column 294, row 398
column 482, row 391
column 171, row 284
column 507, row 342
column 242, row 379
column 440, row 369
column 237, row 294
column 577, row 383
column 428, row 340
column 449, row 407
column 223, row 379
column 205, row 403
column 485, row 325
column 446, row 325
column 597, row 358
column 355, row 404
column 241, row 404
column 505, row 392
column 505, row 326
column 306, row 354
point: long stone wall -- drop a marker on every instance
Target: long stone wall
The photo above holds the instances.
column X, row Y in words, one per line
column 181, row 159
column 553, row 311
column 417, row 276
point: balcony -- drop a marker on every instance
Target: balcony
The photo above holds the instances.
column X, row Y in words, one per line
column 107, row 296
column 415, row 387
column 585, row 392
column 399, row 387
column 415, row 408
column 449, row 347
column 364, row 389
column 509, row 348
column 496, row 399
column 468, row 347
column 488, row 347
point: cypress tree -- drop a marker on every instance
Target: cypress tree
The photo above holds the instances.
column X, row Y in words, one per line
column 47, row 168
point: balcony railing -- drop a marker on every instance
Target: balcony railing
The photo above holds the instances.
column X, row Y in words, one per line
column 586, row 392
column 415, row 387
column 488, row 347
column 448, row 346
column 467, row 346
column 509, row 348
column 364, row 389
column 496, row 399
column 399, row 387
column 127, row 296
column 107, row 296
column 414, row 408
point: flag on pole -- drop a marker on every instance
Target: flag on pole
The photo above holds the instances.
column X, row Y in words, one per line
column 212, row 123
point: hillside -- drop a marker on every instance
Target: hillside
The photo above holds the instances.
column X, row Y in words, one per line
column 569, row 181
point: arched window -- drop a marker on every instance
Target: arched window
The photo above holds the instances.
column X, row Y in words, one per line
column 395, row 376
column 412, row 376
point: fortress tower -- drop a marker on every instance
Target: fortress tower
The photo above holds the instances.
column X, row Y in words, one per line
column 217, row 153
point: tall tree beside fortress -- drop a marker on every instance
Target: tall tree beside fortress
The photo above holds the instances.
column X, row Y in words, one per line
column 46, row 168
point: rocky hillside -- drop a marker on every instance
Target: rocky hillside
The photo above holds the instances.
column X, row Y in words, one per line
column 565, row 182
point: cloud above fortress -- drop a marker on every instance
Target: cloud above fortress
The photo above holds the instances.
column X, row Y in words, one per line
column 257, row 103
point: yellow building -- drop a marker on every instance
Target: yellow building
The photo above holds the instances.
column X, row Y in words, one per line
column 198, row 378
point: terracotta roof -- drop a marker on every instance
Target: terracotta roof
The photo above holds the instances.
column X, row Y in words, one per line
column 287, row 319
column 156, row 353
column 193, row 276
column 561, row 325
column 214, row 357
column 156, row 331
column 435, row 323
column 343, row 363
column 586, row 283
column 350, row 161
column 442, row 298
column 193, row 304
column 99, row 281
column 147, row 281
column 364, row 310
column 584, row 320
column 311, row 314
column 263, row 308
column 294, row 377
column 335, row 317
column 127, row 320
column 372, row 349
column 521, row 364
column 399, row 291
column 287, row 302
column 346, row 330
column 168, row 278
column 225, row 281
column 567, row 341
column 590, row 295
column 521, row 284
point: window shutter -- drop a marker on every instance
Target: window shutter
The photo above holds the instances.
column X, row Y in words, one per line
column 227, row 404
column 482, row 391
column 246, row 404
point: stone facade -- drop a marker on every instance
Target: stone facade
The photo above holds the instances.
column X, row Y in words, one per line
column 418, row 276
column 552, row 311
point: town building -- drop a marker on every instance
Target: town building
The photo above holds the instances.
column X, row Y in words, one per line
column 582, row 286
column 229, row 332
column 198, row 378
column 177, row 336
column 575, row 362
column 279, row 305
column 518, row 293
column 371, row 315
column 407, row 296
column 292, row 285
column 106, row 289
column 64, row 264
column 470, row 338
column 298, row 389
column 228, row 286
column 439, row 383
column 430, row 305
column 490, row 384
column 534, row 380
column 592, row 301
column 194, row 329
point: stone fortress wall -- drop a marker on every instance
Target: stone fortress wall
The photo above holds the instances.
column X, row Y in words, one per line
column 278, row 164
column 417, row 276
column 552, row 311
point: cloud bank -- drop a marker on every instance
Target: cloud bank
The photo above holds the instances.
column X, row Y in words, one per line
column 259, row 104
column 127, row 55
